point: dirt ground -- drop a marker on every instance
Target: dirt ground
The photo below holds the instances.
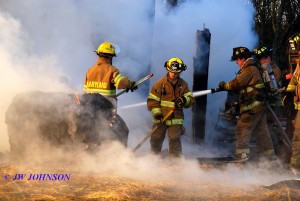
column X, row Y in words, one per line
column 87, row 186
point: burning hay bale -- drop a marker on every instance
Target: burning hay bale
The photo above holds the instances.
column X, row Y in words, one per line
column 37, row 119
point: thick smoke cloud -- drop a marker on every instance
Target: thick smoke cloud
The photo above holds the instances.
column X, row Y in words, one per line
column 22, row 69
column 230, row 23
column 48, row 46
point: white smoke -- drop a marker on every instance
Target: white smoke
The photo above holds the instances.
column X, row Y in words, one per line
column 47, row 50
column 175, row 35
column 58, row 45
column 48, row 46
column 22, row 69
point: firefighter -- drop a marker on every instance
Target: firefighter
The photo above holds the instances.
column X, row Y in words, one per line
column 294, row 87
column 263, row 56
column 168, row 93
column 103, row 77
column 253, row 109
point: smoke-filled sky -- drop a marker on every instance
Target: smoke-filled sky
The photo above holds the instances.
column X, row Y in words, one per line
column 48, row 45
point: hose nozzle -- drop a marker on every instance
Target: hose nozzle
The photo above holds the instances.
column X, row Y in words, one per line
column 214, row 90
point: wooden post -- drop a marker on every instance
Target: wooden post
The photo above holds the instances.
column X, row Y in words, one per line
column 200, row 78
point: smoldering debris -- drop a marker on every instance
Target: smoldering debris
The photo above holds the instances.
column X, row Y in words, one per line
column 38, row 120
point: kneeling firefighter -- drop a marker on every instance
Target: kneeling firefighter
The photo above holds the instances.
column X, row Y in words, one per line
column 253, row 106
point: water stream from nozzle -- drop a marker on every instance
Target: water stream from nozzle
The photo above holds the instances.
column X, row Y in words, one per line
column 196, row 94
column 202, row 93
column 133, row 105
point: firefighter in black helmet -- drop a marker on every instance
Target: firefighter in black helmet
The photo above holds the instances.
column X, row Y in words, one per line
column 253, row 116
column 263, row 57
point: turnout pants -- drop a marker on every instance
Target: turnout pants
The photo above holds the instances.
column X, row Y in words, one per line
column 295, row 159
column 253, row 122
column 174, row 135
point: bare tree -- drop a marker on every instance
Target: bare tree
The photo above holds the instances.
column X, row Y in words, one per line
column 275, row 22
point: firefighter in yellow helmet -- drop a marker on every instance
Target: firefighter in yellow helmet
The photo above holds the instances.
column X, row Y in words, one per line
column 253, row 109
column 168, row 93
column 103, row 77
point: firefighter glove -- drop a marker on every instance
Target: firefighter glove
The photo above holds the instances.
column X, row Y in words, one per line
column 131, row 87
column 180, row 101
column 222, row 85
column 158, row 120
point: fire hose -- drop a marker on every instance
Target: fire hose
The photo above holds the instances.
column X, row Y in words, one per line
column 195, row 94
column 153, row 130
column 199, row 93
column 285, row 139
column 136, row 84
column 205, row 92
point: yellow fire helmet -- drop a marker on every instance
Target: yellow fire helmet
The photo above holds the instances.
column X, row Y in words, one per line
column 106, row 48
column 175, row 65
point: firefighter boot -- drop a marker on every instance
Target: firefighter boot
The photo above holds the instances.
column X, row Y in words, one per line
column 242, row 156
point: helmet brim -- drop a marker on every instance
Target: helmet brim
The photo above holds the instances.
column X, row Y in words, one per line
column 175, row 71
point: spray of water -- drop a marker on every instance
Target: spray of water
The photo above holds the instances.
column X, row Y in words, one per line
column 196, row 94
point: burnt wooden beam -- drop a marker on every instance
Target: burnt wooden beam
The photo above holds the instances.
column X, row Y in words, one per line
column 200, row 79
